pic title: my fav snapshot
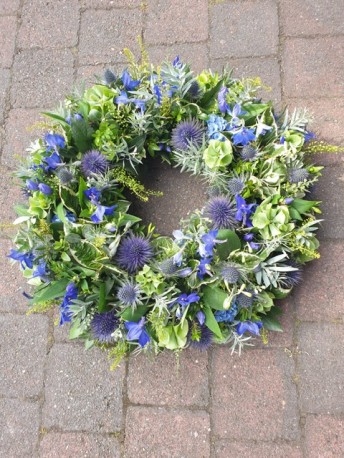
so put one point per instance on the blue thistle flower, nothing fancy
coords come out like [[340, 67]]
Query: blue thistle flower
[[205, 339], [168, 266], [109, 77], [129, 294], [244, 300], [235, 186], [230, 274], [94, 162], [64, 175], [292, 277], [103, 325], [195, 91], [186, 133], [248, 153], [133, 253], [297, 175], [222, 213]]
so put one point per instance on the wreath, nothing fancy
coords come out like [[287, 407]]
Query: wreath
[[122, 286]]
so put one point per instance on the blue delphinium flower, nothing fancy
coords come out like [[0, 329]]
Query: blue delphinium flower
[[122, 98], [65, 313], [243, 136], [94, 162], [41, 271], [128, 82], [249, 238], [184, 300], [98, 215], [73, 117], [129, 294], [93, 194], [208, 242], [103, 325], [32, 185], [45, 189], [222, 212], [309, 136], [133, 253], [53, 161], [203, 268], [221, 98], [216, 125], [249, 326], [244, 211], [54, 141], [69, 215], [226, 316], [25, 259], [157, 92], [235, 112], [200, 317], [186, 133], [177, 63], [205, 340], [137, 331]]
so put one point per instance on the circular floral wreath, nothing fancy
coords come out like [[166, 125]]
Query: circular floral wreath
[[121, 285]]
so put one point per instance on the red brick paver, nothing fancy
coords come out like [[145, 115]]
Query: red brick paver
[[280, 400]]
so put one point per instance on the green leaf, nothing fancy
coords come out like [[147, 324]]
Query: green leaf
[[253, 110], [294, 214], [82, 134], [211, 322], [60, 213], [134, 315], [214, 297], [58, 118], [303, 206], [232, 242], [208, 97], [82, 188], [53, 291], [75, 331], [102, 298], [270, 320]]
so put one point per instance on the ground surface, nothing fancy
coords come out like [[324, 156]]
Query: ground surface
[[282, 400]]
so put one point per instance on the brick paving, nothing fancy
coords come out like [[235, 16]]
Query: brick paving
[[282, 400]]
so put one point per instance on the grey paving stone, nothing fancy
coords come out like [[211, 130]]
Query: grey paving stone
[[267, 68], [22, 354], [9, 6], [166, 433], [254, 397], [12, 283], [91, 74], [11, 194], [324, 436], [53, 77], [225, 449], [243, 29], [320, 296], [19, 428], [183, 193], [176, 21], [161, 382], [4, 83], [49, 24], [321, 368], [300, 58], [105, 33], [108, 4], [71, 445], [8, 29], [81, 394], [20, 130], [330, 190], [194, 54], [309, 17]]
